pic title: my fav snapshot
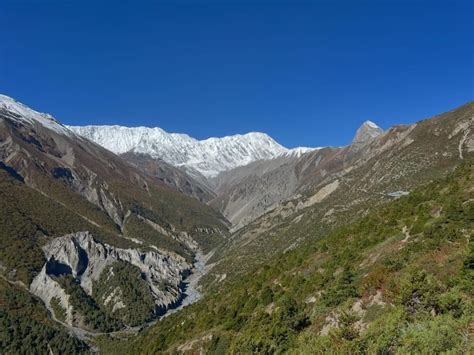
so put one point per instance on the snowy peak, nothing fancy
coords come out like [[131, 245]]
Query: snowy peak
[[209, 157], [29, 116], [121, 140], [370, 124], [299, 151], [366, 132]]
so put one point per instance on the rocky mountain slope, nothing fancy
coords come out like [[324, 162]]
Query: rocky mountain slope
[[245, 193], [332, 186], [195, 185], [72, 212], [89, 262], [256, 179]]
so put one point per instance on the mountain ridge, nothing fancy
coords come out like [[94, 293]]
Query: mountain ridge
[[209, 156]]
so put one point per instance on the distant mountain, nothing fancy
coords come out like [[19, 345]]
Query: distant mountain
[[246, 192], [208, 157], [367, 132]]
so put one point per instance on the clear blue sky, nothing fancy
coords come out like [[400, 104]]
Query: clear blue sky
[[307, 73]]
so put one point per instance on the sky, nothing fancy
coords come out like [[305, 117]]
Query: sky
[[308, 73]]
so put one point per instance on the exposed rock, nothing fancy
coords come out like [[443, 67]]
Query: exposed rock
[[83, 257], [116, 298], [46, 289], [331, 321], [196, 346], [397, 194], [322, 193], [110, 206], [367, 132], [181, 237], [190, 183]]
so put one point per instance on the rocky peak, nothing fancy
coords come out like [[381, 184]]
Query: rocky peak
[[366, 132]]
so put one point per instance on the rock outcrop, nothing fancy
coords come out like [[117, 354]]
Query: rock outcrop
[[85, 258], [366, 133]]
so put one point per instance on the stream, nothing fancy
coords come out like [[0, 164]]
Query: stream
[[191, 292]]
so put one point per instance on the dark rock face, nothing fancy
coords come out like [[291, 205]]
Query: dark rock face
[[62, 173], [56, 268], [12, 172]]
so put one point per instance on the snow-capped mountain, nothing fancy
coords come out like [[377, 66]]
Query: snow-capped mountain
[[23, 113], [208, 157], [299, 151]]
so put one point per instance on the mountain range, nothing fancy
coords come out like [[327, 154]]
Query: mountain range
[[208, 157], [105, 229], [214, 166]]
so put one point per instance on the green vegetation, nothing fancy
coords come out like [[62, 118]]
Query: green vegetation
[[26, 329], [59, 311], [398, 280], [167, 207], [85, 306], [121, 283], [175, 213], [126, 282]]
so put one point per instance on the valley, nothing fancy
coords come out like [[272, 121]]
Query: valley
[[203, 177], [165, 243]]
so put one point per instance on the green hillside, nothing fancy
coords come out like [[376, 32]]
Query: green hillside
[[26, 329], [30, 219], [398, 280]]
